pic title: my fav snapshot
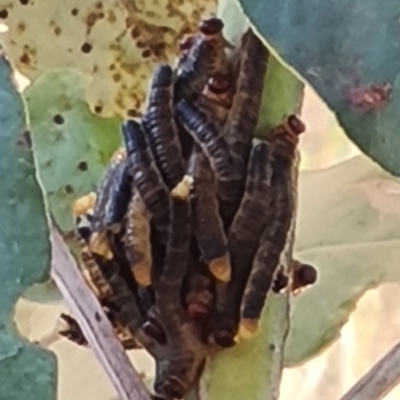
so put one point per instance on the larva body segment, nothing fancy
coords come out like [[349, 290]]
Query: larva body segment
[[204, 55], [146, 177], [208, 226], [208, 137], [136, 240], [168, 284], [284, 140], [161, 130], [243, 238], [266, 261]]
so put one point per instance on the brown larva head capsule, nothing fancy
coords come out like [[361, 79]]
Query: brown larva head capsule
[[219, 89], [154, 330], [294, 125], [211, 26], [225, 338], [303, 275], [219, 83], [306, 275]]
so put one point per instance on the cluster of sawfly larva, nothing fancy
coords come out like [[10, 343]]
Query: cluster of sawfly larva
[[182, 241]]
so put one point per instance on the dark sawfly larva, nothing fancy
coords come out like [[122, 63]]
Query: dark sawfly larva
[[283, 142], [180, 361], [146, 177], [112, 199], [242, 118], [103, 274], [243, 239], [208, 226], [160, 127]]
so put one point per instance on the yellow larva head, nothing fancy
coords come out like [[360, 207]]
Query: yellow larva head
[[82, 211]]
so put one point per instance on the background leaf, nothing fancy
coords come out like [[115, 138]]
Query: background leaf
[[342, 48], [26, 370], [349, 228], [72, 145], [115, 42]]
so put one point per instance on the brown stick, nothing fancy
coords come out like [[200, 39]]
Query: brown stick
[[95, 325], [379, 380]]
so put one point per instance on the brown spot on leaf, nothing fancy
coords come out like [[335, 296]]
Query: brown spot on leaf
[[24, 59], [135, 32], [24, 2], [371, 98], [117, 77], [21, 27], [74, 12], [86, 48], [98, 109], [3, 14], [146, 53], [57, 30], [58, 119]]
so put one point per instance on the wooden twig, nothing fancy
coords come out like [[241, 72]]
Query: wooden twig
[[95, 325], [379, 380]]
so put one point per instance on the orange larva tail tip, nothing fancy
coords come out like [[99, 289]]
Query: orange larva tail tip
[[211, 26], [142, 274], [248, 328], [84, 204], [119, 155], [182, 189], [295, 125], [221, 268]]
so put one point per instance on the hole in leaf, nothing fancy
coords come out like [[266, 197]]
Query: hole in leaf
[[86, 48], [83, 166], [74, 12], [3, 14], [58, 119], [68, 188], [98, 109], [24, 2]]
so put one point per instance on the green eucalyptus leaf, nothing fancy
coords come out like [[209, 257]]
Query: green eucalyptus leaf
[[347, 51], [349, 229], [73, 146], [26, 371]]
